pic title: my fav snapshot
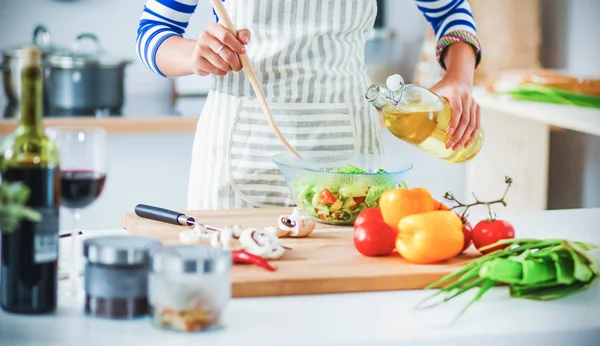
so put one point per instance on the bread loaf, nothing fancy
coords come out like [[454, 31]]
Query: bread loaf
[[511, 79]]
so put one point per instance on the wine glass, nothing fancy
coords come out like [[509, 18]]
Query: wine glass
[[82, 153]]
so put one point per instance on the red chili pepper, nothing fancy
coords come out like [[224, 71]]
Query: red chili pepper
[[240, 256]]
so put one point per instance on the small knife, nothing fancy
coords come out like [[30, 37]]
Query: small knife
[[172, 217], [168, 216]]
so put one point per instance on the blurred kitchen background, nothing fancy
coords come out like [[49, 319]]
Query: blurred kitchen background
[[153, 168]]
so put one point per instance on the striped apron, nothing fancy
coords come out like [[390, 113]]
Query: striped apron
[[309, 58]]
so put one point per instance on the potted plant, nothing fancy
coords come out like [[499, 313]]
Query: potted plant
[[13, 210]]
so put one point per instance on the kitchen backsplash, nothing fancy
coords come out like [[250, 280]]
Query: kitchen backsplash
[[566, 33], [115, 23]]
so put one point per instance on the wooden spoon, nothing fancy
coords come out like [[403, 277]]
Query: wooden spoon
[[249, 70]]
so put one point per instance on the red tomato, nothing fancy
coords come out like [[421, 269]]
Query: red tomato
[[369, 214], [467, 233], [359, 200], [488, 232], [326, 197], [372, 236]]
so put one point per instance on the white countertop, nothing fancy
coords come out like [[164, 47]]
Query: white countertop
[[368, 319], [586, 120]]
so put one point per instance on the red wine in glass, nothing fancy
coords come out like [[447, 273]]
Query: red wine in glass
[[82, 152], [80, 188]]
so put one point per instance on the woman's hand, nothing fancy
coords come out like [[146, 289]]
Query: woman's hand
[[456, 86], [217, 50], [465, 120]]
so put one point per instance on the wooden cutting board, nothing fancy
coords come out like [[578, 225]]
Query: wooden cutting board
[[324, 262]]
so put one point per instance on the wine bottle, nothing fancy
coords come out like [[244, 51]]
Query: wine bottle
[[29, 265]]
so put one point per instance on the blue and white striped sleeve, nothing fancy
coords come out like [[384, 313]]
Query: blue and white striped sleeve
[[160, 20], [452, 22]]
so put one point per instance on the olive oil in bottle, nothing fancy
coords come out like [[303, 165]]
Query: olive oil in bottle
[[419, 117], [29, 264]]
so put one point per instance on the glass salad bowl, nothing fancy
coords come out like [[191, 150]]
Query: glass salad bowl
[[334, 189]]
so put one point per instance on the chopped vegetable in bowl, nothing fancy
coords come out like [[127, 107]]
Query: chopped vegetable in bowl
[[335, 189]]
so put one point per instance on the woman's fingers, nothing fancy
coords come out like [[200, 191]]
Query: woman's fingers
[[455, 120], [208, 51], [217, 51], [226, 37], [464, 120], [456, 112], [475, 116], [244, 36], [228, 54], [199, 65], [467, 123], [231, 59], [205, 67], [462, 125]]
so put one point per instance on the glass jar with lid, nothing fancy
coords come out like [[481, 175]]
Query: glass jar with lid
[[189, 287], [116, 275]]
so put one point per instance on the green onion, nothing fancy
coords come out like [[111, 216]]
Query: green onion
[[533, 269], [540, 93]]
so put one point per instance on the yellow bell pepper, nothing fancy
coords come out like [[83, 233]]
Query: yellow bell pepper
[[430, 237], [396, 204]]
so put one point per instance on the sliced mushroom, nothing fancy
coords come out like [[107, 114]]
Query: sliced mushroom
[[261, 243], [278, 232], [225, 240], [196, 235], [298, 223]]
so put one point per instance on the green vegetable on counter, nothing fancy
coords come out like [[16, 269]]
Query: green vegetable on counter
[[532, 269], [544, 94]]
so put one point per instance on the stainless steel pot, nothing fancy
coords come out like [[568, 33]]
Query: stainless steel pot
[[12, 63], [85, 82]]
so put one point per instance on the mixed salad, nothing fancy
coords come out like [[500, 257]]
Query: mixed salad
[[341, 202]]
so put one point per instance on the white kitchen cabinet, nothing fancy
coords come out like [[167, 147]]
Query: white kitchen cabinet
[[517, 143]]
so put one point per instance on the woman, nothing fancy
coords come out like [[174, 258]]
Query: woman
[[308, 55]]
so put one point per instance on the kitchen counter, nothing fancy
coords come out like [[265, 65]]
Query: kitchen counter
[[384, 318], [581, 119], [140, 114]]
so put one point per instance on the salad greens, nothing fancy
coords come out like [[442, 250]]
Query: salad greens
[[341, 199], [351, 169]]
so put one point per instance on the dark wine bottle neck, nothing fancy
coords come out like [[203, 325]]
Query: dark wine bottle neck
[[31, 99]]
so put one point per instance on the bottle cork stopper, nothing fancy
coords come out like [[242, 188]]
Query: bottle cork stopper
[[395, 82], [31, 56]]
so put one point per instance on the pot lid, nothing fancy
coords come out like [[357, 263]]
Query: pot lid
[[81, 57], [41, 38]]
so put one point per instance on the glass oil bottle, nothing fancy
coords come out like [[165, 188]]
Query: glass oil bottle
[[418, 116]]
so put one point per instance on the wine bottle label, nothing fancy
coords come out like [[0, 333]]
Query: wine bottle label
[[46, 237]]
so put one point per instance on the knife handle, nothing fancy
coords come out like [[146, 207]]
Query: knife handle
[[160, 214]]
